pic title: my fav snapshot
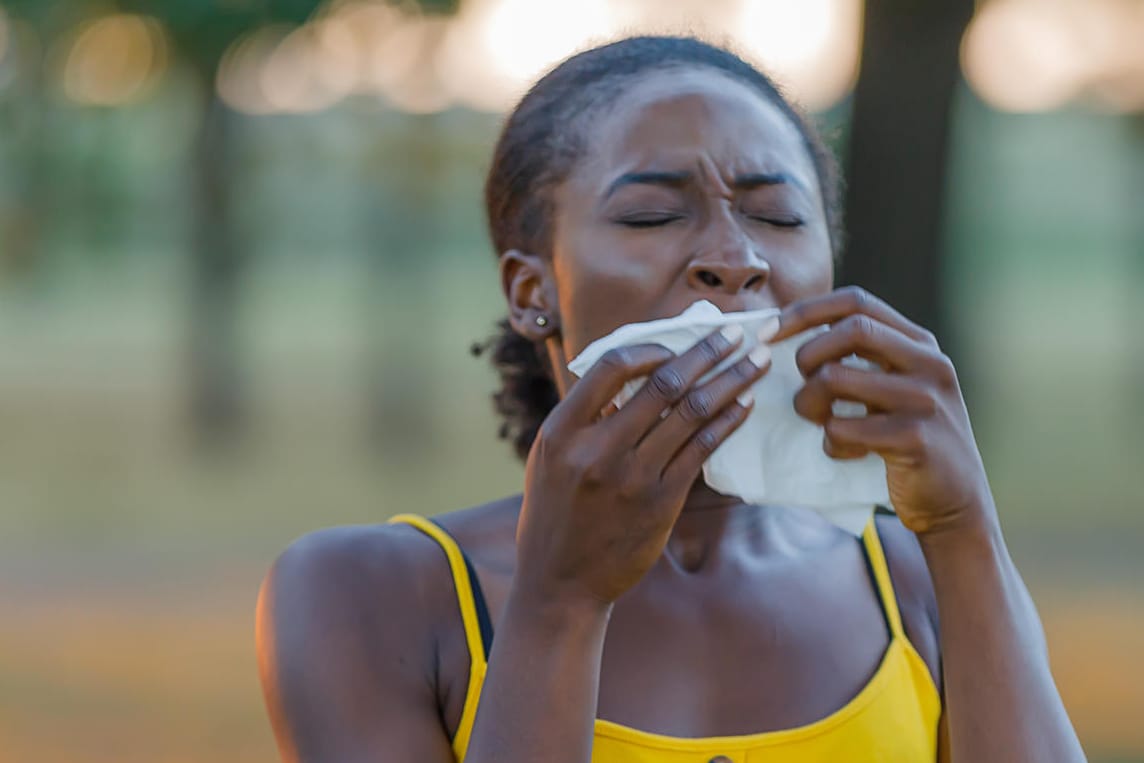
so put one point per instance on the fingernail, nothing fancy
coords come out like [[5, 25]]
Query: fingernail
[[732, 332], [768, 329], [745, 398], [759, 355]]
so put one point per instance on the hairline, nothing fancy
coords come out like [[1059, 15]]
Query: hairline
[[610, 87]]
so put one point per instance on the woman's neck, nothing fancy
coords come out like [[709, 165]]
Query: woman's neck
[[708, 519]]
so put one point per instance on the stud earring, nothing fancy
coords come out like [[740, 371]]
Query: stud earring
[[541, 321]]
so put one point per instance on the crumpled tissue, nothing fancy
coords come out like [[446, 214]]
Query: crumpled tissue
[[775, 456]]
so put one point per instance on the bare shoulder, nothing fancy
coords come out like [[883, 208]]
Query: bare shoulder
[[913, 588], [391, 582], [364, 570], [348, 619]]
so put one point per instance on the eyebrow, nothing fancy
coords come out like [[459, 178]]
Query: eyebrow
[[743, 182], [669, 179], [759, 179]]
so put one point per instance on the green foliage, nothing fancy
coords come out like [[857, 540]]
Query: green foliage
[[204, 29], [439, 6], [201, 29]]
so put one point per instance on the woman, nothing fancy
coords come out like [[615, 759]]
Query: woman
[[630, 182]]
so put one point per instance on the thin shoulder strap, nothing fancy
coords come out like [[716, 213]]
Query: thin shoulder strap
[[877, 559], [470, 599], [474, 617]]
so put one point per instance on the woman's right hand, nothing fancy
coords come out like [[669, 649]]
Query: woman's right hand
[[602, 492]]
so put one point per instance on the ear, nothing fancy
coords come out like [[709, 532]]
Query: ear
[[527, 284]]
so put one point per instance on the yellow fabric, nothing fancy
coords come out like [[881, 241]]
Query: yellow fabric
[[893, 719], [464, 588]]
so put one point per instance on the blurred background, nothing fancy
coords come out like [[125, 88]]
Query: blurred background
[[242, 260]]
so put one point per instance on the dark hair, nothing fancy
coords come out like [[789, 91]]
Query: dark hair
[[538, 146]]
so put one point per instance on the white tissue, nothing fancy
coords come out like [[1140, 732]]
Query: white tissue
[[775, 456]]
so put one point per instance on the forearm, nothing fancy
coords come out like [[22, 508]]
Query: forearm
[[539, 697], [1000, 699]]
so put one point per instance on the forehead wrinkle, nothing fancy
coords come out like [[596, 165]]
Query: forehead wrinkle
[[708, 174]]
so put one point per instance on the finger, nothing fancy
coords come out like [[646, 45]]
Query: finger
[[699, 406], [880, 392], [842, 452], [685, 466], [833, 307], [868, 338], [607, 377], [891, 435], [668, 383]]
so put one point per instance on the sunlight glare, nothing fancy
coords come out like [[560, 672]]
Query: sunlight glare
[[1039, 55], [1022, 55], [812, 47], [525, 38], [114, 60], [403, 66], [303, 74], [239, 81]]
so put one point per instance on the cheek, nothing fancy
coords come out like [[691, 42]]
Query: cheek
[[805, 271], [801, 279], [605, 280]]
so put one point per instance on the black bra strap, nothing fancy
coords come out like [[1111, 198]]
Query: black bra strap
[[484, 622], [877, 588]]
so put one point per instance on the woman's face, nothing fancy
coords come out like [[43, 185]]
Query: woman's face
[[693, 187]]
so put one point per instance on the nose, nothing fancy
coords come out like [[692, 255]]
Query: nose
[[728, 262]]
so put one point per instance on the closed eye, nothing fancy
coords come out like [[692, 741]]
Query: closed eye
[[648, 220], [779, 221]]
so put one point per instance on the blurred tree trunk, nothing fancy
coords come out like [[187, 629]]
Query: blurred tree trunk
[[401, 384], [28, 118], [1134, 285], [898, 154], [217, 260]]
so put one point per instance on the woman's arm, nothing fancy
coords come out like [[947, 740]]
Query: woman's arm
[[539, 698], [1000, 701], [602, 492], [346, 652]]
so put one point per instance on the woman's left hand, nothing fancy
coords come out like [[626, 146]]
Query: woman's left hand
[[916, 418]]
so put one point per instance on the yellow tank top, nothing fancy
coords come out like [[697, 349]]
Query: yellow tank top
[[893, 719]]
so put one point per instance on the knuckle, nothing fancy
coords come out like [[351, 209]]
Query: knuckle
[[914, 435], [697, 406], [706, 442], [829, 446], [668, 383], [745, 370], [944, 370], [831, 375], [929, 338], [804, 402], [802, 357], [862, 326], [635, 486], [584, 466], [711, 348], [857, 297], [591, 472], [616, 359]]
